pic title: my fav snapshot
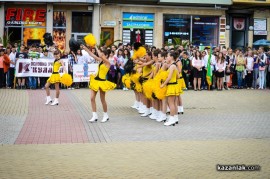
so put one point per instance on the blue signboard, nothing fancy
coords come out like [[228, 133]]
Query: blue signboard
[[138, 17], [138, 25]]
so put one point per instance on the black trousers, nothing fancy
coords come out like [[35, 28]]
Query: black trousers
[[249, 79], [2, 78]]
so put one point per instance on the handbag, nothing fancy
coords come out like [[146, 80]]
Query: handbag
[[261, 68]]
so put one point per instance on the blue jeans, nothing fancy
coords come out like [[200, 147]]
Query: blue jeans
[[239, 78], [32, 82]]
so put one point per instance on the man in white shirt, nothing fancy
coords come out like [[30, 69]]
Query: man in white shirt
[[11, 69]]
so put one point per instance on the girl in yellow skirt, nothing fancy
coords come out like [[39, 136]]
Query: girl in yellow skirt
[[55, 79], [155, 101], [146, 72], [160, 93], [173, 89], [99, 83]]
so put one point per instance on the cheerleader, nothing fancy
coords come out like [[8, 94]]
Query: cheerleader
[[55, 79], [155, 102], [99, 83], [172, 88], [160, 93]]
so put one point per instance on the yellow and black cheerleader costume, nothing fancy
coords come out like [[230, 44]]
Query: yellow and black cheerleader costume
[[147, 83], [55, 77], [161, 76], [173, 87], [99, 81]]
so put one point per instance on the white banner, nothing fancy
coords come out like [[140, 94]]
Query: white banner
[[37, 67], [81, 73]]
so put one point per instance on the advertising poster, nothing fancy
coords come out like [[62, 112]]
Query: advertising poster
[[59, 37], [81, 73], [33, 36]]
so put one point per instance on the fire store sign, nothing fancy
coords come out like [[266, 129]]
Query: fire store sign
[[25, 16]]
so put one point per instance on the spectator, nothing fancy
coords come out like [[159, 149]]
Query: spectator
[[262, 67], [240, 67], [220, 68], [33, 54], [11, 71], [263, 58], [113, 70], [249, 69], [21, 55], [120, 68], [186, 68], [4, 66], [197, 63]]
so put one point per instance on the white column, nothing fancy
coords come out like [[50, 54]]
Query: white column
[[2, 19], [49, 19], [96, 22]]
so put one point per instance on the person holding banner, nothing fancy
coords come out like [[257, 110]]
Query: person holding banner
[[99, 83], [55, 79]]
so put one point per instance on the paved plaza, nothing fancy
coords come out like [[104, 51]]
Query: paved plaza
[[218, 127]]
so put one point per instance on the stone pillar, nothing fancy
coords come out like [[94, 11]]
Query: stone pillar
[[227, 38], [49, 19], [250, 38], [68, 28], [268, 28], [96, 22], [2, 19]]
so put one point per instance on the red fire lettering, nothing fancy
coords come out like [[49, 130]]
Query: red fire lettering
[[10, 13], [40, 15], [28, 13], [19, 13]]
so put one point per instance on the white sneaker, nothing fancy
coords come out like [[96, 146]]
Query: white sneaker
[[105, 118], [94, 118], [48, 100], [162, 117], [171, 121], [142, 109], [153, 116], [146, 113], [135, 105], [55, 102]]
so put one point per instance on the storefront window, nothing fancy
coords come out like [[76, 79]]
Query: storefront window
[[176, 26], [205, 30], [138, 27], [81, 22], [59, 29], [26, 25]]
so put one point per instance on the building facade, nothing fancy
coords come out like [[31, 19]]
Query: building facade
[[26, 22]]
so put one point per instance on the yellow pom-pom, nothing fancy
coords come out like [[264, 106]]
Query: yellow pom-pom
[[148, 88], [141, 52], [90, 40], [66, 79], [126, 80]]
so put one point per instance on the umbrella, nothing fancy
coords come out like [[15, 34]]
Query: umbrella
[[262, 42]]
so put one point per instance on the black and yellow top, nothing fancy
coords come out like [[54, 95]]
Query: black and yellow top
[[55, 76], [99, 81]]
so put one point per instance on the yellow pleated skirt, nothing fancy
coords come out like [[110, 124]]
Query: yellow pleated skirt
[[100, 85]]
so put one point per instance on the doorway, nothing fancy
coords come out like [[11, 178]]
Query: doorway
[[107, 36], [239, 32]]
